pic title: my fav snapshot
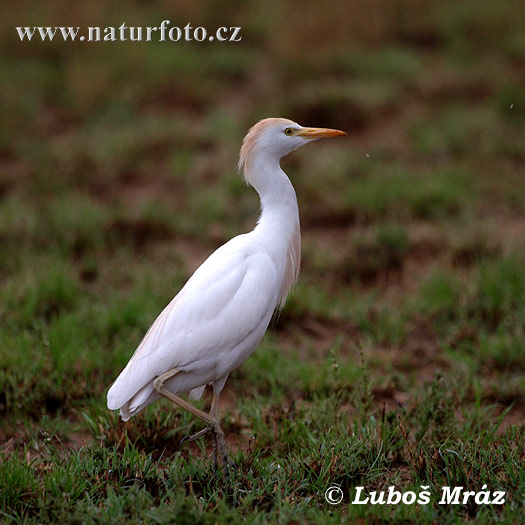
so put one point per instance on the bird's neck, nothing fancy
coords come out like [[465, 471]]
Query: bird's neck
[[278, 226], [278, 199]]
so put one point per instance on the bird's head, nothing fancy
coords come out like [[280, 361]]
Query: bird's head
[[276, 137]]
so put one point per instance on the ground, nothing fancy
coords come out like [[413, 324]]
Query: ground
[[399, 357]]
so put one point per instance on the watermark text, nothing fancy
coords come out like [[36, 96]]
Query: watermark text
[[165, 32], [392, 496]]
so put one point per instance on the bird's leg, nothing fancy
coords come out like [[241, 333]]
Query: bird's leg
[[219, 444], [210, 419], [221, 449], [214, 409], [214, 414], [158, 384]]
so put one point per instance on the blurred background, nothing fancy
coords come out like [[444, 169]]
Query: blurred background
[[117, 179]]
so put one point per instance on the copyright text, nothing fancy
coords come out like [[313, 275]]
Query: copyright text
[[447, 496]]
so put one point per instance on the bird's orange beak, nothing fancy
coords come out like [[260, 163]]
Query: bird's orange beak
[[319, 133]]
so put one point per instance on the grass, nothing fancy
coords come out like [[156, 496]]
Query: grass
[[398, 360]]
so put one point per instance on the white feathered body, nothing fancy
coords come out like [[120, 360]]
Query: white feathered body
[[220, 315]]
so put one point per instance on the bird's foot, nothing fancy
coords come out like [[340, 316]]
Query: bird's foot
[[197, 435], [220, 452]]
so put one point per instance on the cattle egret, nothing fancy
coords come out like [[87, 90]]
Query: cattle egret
[[222, 312]]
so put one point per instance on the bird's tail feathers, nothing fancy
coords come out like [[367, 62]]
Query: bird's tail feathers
[[144, 397]]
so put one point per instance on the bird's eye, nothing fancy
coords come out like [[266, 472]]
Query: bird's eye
[[288, 131]]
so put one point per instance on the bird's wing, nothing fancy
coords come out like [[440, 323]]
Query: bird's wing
[[221, 304]]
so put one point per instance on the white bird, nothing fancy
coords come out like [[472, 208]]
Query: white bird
[[222, 312]]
